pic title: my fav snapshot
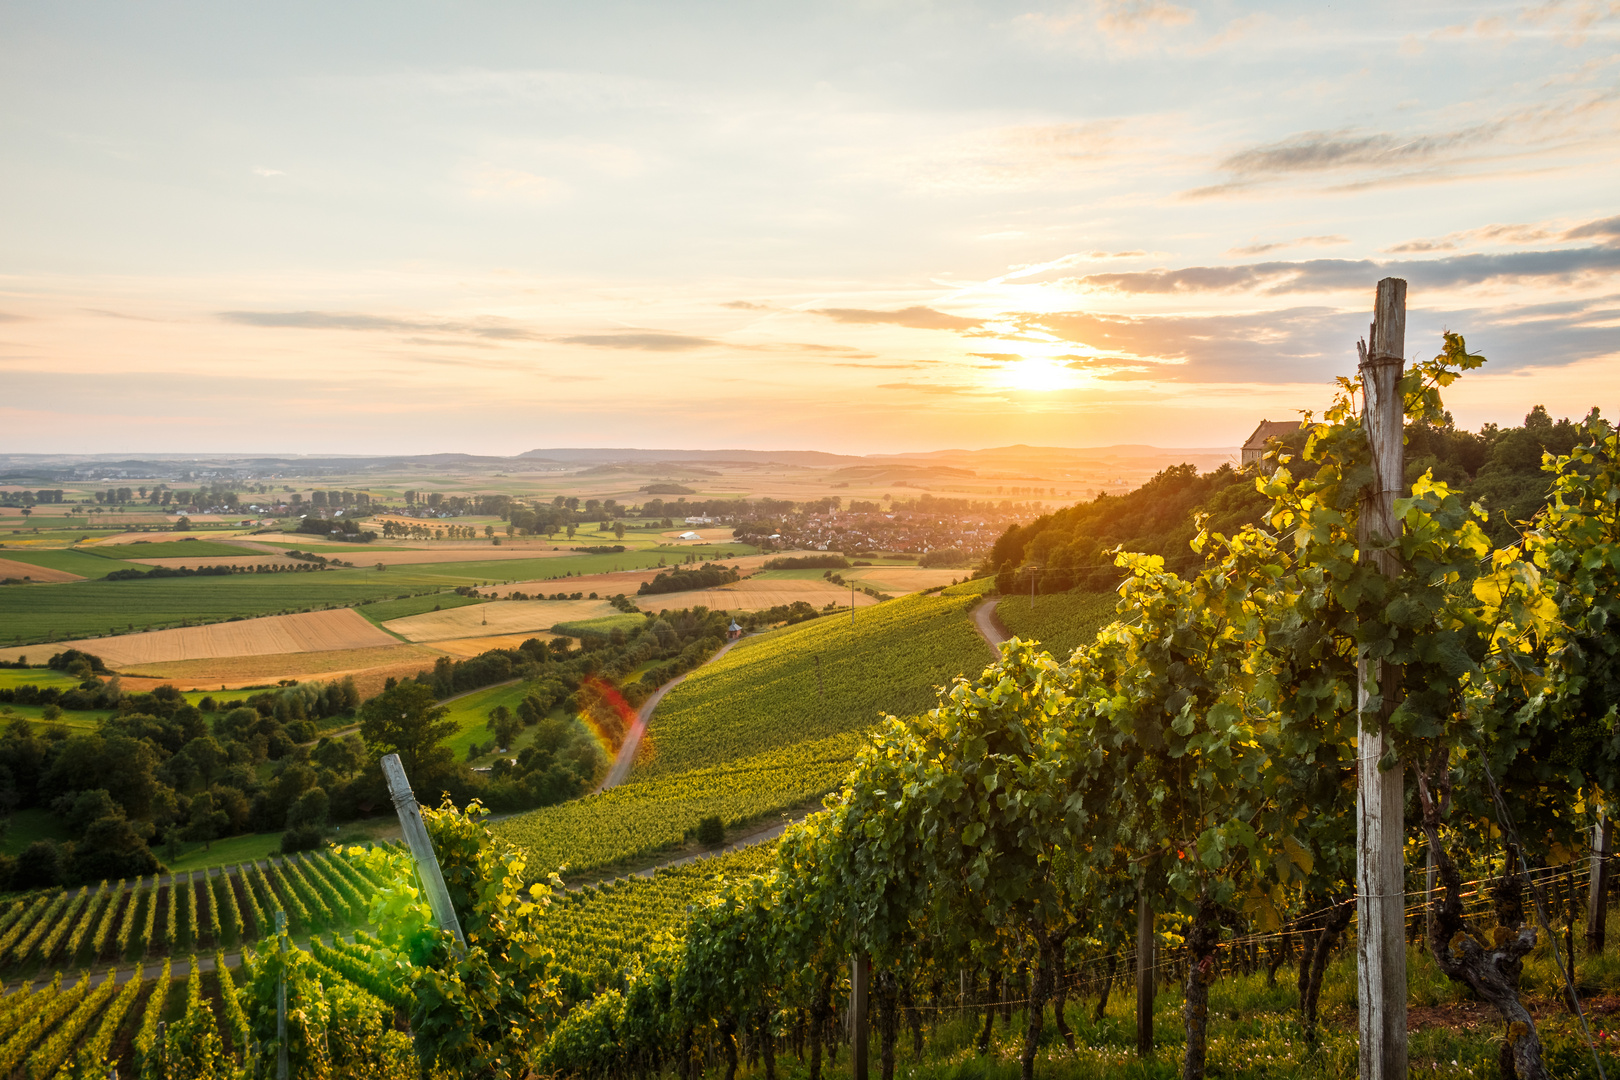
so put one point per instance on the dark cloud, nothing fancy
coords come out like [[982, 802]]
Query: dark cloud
[[918, 318], [647, 340], [1315, 274], [1608, 227]]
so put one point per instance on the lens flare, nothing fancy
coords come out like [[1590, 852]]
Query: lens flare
[[609, 718]]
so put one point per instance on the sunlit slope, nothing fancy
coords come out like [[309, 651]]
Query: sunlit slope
[[813, 681], [1059, 621]]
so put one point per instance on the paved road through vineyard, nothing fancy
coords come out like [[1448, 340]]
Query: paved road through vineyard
[[632, 738]]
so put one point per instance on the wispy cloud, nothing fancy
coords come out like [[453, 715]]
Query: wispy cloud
[[917, 317], [646, 340], [1278, 245], [260, 170]]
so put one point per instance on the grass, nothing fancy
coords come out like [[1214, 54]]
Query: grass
[[76, 721], [226, 852], [27, 826], [471, 715], [11, 678]]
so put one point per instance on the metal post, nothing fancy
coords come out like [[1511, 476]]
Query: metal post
[[1380, 824], [281, 998], [860, 973], [427, 864], [1144, 974], [1597, 897]]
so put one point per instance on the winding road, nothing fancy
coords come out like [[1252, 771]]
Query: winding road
[[632, 738], [988, 626]]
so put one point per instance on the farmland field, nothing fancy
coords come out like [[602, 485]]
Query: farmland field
[[10, 568], [370, 668], [315, 631], [496, 617], [757, 594], [469, 647], [813, 681], [172, 549], [383, 610], [80, 561]]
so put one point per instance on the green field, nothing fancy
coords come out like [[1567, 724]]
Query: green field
[[74, 720], [815, 680], [13, 677], [604, 625], [172, 549], [85, 563], [1059, 621], [383, 610], [471, 714], [226, 852]]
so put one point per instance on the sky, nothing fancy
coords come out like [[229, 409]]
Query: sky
[[411, 227]]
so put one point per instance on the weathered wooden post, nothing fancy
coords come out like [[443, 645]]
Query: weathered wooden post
[[1597, 897], [1380, 824], [281, 997], [860, 974], [1144, 974], [427, 863]]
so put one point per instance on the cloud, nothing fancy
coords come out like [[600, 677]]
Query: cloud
[[648, 340], [933, 388], [339, 320], [1128, 18], [1303, 241], [1327, 274], [916, 317], [260, 170], [490, 181], [747, 305], [118, 315], [1485, 234], [4, 317], [1608, 228]]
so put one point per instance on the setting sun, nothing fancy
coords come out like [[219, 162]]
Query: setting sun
[[1039, 373]]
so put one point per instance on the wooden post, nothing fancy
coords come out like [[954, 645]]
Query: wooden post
[[1597, 897], [281, 998], [1144, 974], [427, 864], [860, 974], [1380, 825]]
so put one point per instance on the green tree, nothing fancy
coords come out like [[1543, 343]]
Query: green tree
[[408, 720]]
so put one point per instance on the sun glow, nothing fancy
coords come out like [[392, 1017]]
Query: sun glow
[[1039, 373]]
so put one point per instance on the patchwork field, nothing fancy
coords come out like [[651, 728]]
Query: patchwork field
[[757, 594], [228, 560], [12, 568], [496, 618], [314, 631], [370, 668], [903, 579]]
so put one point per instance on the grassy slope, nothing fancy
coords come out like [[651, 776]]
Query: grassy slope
[[1059, 621], [769, 694]]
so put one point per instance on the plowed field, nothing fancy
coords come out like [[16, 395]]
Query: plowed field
[[11, 568], [497, 618], [756, 594], [313, 631], [904, 579]]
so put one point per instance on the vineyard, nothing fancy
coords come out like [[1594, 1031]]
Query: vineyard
[[821, 679], [1061, 622]]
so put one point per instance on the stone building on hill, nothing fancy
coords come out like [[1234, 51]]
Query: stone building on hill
[[1254, 451]]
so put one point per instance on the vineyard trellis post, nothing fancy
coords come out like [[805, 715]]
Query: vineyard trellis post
[[1380, 823], [860, 974], [1597, 897], [281, 997], [427, 863], [1144, 974]]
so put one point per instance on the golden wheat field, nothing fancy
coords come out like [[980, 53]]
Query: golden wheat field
[[465, 647], [904, 579], [307, 632], [12, 568], [496, 618], [756, 594], [369, 667]]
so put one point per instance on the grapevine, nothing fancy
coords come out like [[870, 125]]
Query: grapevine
[[56, 1046], [109, 914], [91, 1057]]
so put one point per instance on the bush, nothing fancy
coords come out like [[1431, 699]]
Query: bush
[[711, 832], [302, 838]]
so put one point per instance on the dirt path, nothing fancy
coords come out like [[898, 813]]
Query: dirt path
[[989, 627], [632, 738]]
